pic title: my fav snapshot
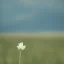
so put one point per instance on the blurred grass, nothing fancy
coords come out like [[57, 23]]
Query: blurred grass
[[38, 50]]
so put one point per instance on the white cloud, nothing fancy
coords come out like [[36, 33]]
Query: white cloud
[[40, 3], [36, 2], [24, 16]]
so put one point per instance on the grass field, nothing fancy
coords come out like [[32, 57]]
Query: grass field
[[39, 50]]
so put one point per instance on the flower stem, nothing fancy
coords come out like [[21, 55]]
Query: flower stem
[[19, 56]]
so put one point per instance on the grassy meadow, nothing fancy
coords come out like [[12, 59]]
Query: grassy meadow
[[39, 50]]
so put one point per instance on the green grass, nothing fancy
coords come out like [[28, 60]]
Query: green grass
[[38, 50]]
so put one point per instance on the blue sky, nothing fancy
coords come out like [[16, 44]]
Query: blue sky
[[31, 15]]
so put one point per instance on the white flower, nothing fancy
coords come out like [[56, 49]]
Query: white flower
[[21, 46]]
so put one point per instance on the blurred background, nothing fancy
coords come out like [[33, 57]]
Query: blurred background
[[31, 15], [39, 24]]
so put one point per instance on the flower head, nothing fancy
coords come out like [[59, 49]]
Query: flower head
[[21, 46]]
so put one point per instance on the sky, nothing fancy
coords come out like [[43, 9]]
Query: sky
[[31, 15]]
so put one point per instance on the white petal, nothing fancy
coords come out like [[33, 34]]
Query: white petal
[[21, 44], [18, 47], [23, 47]]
